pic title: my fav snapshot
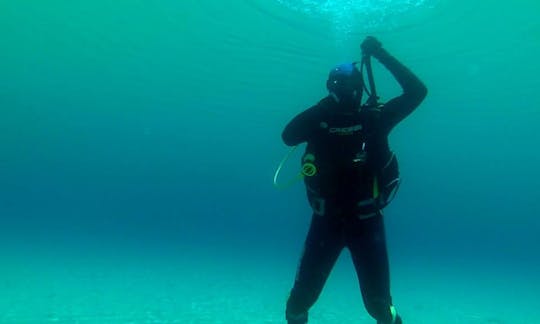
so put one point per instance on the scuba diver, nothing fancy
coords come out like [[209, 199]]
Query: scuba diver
[[353, 175]]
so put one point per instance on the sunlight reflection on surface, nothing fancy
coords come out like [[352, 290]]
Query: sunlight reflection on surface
[[345, 14]]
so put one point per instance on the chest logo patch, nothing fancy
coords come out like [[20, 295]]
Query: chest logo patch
[[345, 130]]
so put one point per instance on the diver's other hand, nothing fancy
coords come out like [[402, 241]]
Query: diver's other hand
[[371, 46]]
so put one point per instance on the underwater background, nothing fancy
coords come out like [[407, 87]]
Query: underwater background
[[139, 139]]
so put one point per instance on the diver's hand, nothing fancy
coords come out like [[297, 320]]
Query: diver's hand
[[371, 46]]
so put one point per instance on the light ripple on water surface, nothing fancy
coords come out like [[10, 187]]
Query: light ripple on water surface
[[351, 17]]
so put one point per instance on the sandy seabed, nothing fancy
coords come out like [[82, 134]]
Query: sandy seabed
[[225, 289]]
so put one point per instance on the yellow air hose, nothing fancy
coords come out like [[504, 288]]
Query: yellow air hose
[[308, 170]]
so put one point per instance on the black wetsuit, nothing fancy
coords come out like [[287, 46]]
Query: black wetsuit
[[356, 172]]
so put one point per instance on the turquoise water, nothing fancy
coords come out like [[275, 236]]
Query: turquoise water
[[139, 140]]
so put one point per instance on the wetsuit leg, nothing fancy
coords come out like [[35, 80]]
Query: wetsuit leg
[[367, 243], [322, 247]]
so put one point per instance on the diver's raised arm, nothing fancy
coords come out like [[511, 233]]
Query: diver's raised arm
[[414, 90]]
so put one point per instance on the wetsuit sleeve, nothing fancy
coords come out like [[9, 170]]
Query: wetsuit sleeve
[[300, 128], [414, 91]]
